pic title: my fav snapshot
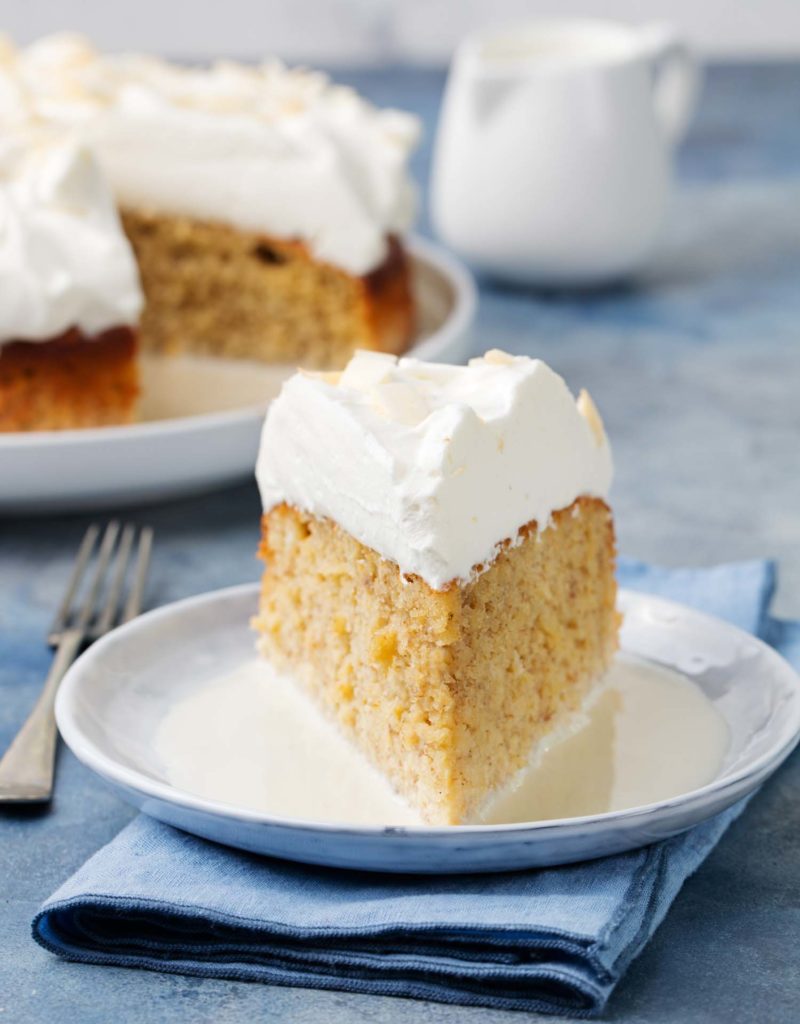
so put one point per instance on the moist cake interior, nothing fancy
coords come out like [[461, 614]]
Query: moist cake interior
[[216, 290], [446, 691]]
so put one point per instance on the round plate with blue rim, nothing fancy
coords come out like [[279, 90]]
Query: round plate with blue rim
[[114, 698]]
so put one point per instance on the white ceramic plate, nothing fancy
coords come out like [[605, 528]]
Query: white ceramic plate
[[202, 417], [115, 696]]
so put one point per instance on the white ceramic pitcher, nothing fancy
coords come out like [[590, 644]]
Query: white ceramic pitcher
[[553, 159]]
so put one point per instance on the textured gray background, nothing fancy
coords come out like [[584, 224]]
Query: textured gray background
[[697, 373]]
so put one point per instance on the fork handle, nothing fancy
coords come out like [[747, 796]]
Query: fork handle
[[26, 769]]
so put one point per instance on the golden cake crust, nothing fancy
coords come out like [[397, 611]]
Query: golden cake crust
[[213, 289], [446, 691], [69, 381]]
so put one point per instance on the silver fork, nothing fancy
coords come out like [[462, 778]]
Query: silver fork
[[26, 769]]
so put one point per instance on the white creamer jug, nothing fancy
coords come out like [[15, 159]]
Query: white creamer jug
[[553, 159]]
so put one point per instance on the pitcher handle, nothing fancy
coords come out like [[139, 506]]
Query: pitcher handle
[[676, 79]]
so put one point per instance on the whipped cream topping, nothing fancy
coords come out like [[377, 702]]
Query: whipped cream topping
[[433, 466], [64, 260], [265, 149]]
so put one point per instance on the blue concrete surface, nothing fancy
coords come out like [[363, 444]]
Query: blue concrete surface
[[697, 372]]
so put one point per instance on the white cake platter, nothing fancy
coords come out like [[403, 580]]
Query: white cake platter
[[201, 417], [115, 699]]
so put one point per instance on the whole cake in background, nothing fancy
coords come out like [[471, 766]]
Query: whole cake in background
[[69, 291], [265, 206], [439, 564]]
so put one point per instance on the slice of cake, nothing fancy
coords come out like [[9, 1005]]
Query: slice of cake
[[439, 563], [69, 292], [265, 206]]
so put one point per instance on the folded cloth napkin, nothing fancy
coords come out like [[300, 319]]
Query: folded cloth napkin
[[555, 940]]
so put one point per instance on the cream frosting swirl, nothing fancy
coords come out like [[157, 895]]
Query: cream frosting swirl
[[265, 149], [64, 260], [433, 466]]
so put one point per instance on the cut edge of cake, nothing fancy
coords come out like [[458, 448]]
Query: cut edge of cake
[[448, 692], [214, 289]]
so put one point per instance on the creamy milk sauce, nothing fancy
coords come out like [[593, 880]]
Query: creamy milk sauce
[[253, 739], [187, 385]]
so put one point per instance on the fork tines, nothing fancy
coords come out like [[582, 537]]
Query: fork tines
[[96, 611]]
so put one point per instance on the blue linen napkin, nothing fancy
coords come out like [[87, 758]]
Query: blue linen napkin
[[555, 940]]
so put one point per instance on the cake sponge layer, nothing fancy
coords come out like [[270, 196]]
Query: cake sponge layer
[[445, 691], [213, 289]]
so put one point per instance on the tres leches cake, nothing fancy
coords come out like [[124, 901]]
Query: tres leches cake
[[439, 564], [265, 206], [69, 292]]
